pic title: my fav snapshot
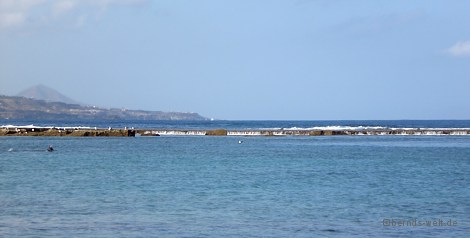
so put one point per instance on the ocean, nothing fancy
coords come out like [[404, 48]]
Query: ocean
[[201, 186]]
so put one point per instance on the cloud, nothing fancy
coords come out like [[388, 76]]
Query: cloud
[[120, 2], [62, 7], [8, 5], [14, 13], [460, 49], [11, 19], [17, 13]]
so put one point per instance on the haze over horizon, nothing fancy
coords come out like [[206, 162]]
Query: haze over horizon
[[262, 59]]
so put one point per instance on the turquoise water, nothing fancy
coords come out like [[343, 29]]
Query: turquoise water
[[341, 186]]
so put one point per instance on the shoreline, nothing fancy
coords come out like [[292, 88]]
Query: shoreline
[[125, 132]]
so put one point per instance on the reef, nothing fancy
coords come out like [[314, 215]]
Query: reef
[[57, 131], [64, 132]]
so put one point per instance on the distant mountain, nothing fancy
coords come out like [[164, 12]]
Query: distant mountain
[[27, 108], [41, 92]]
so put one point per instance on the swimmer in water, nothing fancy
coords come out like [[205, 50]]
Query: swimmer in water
[[50, 149]]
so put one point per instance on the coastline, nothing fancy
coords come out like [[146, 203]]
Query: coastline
[[125, 132]]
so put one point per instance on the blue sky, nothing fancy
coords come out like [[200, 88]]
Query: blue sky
[[245, 59]]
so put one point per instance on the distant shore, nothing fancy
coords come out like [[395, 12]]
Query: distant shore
[[126, 132]]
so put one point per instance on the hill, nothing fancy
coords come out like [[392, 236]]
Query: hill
[[41, 92], [14, 107]]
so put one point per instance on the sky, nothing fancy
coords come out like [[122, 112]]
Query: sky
[[245, 59]]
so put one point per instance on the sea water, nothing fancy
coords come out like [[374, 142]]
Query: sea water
[[200, 186]]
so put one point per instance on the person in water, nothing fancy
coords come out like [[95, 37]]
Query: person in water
[[50, 149]]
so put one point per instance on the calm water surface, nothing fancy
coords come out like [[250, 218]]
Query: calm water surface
[[214, 186]]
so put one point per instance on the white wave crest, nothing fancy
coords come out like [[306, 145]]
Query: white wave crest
[[328, 128]]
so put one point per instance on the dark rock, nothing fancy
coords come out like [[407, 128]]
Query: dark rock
[[217, 132]]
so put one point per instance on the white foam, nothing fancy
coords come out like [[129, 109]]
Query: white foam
[[44, 127], [178, 132], [328, 128], [430, 129]]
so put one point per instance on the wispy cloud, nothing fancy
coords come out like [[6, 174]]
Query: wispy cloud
[[13, 13], [460, 49], [62, 7], [11, 19], [17, 13]]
